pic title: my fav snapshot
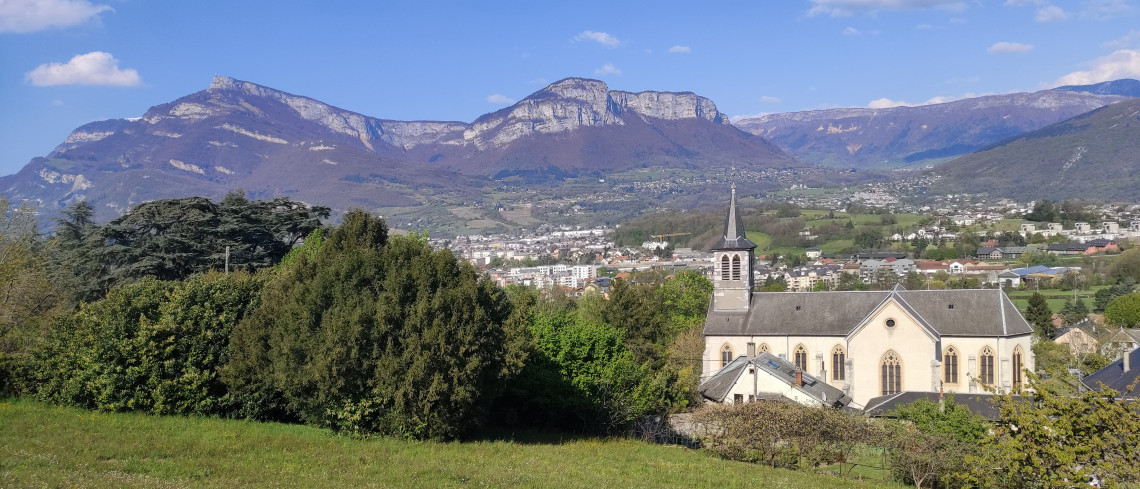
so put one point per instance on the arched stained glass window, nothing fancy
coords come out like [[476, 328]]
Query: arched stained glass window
[[800, 356], [950, 365], [838, 363], [891, 373], [986, 366], [1018, 364], [725, 355]]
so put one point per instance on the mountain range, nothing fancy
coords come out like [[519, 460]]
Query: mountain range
[[238, 134], [572, 143], [906, 136], [1094, 156], [1125, 86]]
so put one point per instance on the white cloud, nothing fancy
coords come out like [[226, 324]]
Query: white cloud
[[850, 31], [1105, 9], [886, 103], [680, 49], [598, 37], [499, 99], [1051, 13], [1022, 3], [924, 27], [843, 8], [769, 100], [94, 68], [1127, 41], [607, 69], [20, 16], [1009, 47], [1124, 63], [57, 102]]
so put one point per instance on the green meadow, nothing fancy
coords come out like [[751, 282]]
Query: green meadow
[[45, 446]]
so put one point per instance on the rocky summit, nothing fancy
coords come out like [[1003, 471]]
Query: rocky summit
[[241, 135]]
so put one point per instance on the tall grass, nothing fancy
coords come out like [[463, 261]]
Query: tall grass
[[44, 446]]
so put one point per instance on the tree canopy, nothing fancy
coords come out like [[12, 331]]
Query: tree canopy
[[171, 239], [375, 334], [1040, 316], [1124, 311]]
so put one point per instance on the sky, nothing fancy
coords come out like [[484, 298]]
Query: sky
[[64, 63]]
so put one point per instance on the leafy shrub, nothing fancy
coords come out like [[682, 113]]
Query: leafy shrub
[[783, 434], [582, 376], [151, 346], [932, 442], [371, 334]]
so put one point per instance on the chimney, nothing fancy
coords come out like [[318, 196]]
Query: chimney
[[800, 377], [751, 349], [1127, 359]]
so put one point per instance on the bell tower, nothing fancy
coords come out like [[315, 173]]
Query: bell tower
[[734, 257]]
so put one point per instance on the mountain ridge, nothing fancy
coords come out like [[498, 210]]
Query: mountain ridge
[[1125, 86], [1090, 156], [239, 134], [898, 136]]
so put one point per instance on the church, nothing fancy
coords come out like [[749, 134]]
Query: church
[[857, 345]]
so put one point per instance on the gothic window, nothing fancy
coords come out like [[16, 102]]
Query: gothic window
[[1018, 364], [725, 355], [891, 373], [736, 267], [724, 267], [986, 366], [950, 365], [763, 348], [800, 356], [838, 361]]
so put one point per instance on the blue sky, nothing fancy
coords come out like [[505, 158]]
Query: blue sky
[[64, 63]]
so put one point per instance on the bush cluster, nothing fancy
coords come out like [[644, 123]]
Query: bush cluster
[[367, 333], [151, 346]]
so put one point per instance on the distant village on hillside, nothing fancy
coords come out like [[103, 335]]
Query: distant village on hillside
[[571, 258]]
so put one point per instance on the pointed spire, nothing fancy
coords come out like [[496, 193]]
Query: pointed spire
[[733, 236]]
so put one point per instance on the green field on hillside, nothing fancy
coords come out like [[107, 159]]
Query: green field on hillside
[[44, 446], [818, 217], [762, 240], [1055, 298]]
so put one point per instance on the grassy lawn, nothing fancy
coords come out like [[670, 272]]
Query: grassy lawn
[[1000, 226], [836, 245], [1055, 298], [44, 446], [762, 240]]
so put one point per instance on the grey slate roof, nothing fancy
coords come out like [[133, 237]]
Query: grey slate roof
[[980, 404], [733, 237], [1114, 377], [717, 387], [976, 312], [1126, 335]]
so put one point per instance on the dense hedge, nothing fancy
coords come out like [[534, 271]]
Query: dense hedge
[[367, 333], [151, 346], [375, 334]]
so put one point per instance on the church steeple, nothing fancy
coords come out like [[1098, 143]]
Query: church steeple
[[733, 237], [734, 257]]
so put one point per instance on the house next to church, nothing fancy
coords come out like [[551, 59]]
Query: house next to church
[[864, 344]]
